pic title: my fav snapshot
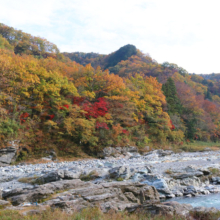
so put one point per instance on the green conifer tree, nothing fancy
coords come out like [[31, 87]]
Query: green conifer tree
[[173, 102]]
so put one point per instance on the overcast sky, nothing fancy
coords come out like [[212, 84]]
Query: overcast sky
[[185, 32]]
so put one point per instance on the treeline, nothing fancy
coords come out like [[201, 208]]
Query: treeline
[[58, 103], [45, 102], [23, 43], [192, 100]]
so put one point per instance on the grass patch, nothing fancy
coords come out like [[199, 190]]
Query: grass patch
[[199, 146], [85, 214], [91, 176], [214, 171], [30, 180], [188, 146], [96, 214], [168, 171], [205, 216], [119, 179]]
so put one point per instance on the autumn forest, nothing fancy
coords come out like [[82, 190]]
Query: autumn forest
[[88, 101]]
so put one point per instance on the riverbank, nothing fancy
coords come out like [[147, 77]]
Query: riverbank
[[123, 183]]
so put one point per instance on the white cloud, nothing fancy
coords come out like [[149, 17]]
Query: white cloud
[[184, 32]]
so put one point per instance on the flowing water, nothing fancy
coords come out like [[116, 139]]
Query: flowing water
[[211, 200]]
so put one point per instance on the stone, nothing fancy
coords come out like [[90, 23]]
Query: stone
[[158, 208], [130, 149], [71, 175], [116, 172], [195, 181], [163, 153], [167, 208], [117, 151], [134, 155], [191, 168], [8, 154], [107, 152], [178, 194], [179, 209], [36, 194], [205, 171], [149, 194], [130, 196], [101, 197], [123, 172], [75, 205], [156, 181], [4, 203], [187, 175], [50, 177], [190, 190], [205, 209]]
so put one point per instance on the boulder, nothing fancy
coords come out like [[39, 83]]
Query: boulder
[[108, 151], [68, 175], [179, 209], [123, 172], [39, 193], [187, 175], [4, 203], [158, 182], [149, 194], [117, 151], [167, 208], [50, 177], [190, 190], [163, 153], [202, 209], [130, 196], [8, 154], [76, 194], [57, 175], [158, 209]]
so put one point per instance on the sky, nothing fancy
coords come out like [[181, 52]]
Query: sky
[[184, 32]]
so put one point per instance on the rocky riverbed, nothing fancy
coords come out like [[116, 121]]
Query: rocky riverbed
[[123, 180]]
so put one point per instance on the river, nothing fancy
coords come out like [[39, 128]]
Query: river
[[211, 200]]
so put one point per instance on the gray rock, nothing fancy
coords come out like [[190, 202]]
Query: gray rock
[[116, 152], [101, 197], [205, 209], [8, 154], [187, 175], [179, 209], [36, 194], [50, 177], [158, 208], [75, 205], [85, 194], [167, 208], [190, 190], [71, 175], [163, 153], [205, 171], [156, 181], [123, 172], [149, 194], [130, 196], [4, 203]]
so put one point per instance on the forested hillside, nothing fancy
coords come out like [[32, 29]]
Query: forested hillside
[[124, 98]]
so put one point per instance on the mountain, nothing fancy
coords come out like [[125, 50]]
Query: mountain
[[87, 101]]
